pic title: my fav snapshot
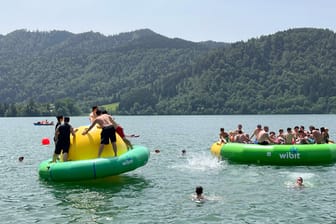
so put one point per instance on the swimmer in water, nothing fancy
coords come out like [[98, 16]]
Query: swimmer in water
[[299, 182], [199, 194], [183, 152]]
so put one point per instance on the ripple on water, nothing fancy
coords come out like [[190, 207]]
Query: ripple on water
[[160, 192]]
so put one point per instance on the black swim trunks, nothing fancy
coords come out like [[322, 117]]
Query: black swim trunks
[[107, 134], [62, 146], [63, 142]]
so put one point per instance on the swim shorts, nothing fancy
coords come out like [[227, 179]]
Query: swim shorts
[[62, 146], [107, 134], [120, 132]]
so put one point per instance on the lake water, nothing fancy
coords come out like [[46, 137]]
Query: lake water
[[161, 191]]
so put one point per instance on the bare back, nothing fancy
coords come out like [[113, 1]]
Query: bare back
[[104, 120]]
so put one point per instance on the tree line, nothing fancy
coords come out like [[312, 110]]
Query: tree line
[[45, 73]]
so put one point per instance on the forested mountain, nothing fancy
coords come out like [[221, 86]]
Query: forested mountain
[[53, 72], [287, 72]]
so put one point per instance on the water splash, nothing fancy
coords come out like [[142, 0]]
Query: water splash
[[200, 162]]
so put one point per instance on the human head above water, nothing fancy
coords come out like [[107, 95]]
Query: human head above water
[[199, 190], [299, 181]]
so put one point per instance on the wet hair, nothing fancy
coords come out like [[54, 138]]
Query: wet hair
[[222, 129], [98, 112], [259, 126], [199, 190], [104, 112], [94, 107], [66, 119], [59, 117]]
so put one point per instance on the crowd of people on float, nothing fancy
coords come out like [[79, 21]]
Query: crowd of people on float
[[263, 135]]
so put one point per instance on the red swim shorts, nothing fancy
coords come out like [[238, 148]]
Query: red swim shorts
[[120, 131]]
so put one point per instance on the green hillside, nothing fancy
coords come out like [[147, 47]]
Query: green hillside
[[45, 73]]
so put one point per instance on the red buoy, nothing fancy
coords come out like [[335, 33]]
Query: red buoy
[[45, 141]]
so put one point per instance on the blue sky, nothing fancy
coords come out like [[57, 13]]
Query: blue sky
[[195, 20]]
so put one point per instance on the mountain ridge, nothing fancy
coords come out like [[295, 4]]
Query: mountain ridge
[[148, 73]]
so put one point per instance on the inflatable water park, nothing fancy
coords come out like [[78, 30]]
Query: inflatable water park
[[83, 163], [276, 154]]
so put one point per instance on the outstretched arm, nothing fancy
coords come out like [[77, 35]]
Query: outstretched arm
[[73, 131], [88, 129]]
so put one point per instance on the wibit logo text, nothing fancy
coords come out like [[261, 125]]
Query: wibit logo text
[[289, 155]]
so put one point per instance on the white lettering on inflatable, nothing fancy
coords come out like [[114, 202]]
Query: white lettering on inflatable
[[127, 162], [269, 154], [289, 155]]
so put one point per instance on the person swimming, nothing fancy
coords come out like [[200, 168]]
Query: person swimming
[[299, 182], [199, 194]]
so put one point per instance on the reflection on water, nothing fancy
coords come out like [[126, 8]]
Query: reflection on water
[[112, 184], [90, 201]]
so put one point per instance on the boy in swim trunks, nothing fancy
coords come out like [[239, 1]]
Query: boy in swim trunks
[[62, 139], [121, 133], [107, 124]]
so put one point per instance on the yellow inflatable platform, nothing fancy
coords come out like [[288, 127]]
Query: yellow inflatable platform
[[84, 147], [216, 148]]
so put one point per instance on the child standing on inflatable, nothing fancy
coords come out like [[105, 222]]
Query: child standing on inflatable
[[62, 138], [120, 132], [105, 121]]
